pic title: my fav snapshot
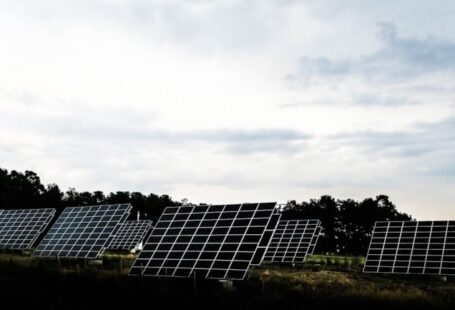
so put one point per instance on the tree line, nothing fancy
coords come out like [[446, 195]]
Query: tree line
[[347, 224], [25, 190]]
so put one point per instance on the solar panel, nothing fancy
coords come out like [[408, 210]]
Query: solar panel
[[130, 235], [291, 241], [20, 228], [408, 247], [83, 232], [315, 239], [216, 242], [266, 239]]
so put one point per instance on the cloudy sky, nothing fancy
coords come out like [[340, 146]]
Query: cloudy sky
[[231, 101]]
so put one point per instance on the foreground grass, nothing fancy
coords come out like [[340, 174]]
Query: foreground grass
[[66, 284], [330, 286]]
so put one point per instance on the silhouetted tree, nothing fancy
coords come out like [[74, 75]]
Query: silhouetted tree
[[347, 223], [24, 190], [52, 197]]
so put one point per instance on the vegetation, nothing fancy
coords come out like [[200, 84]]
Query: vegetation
[[347, 223], [25, 190], [329, 287], [337, 282]]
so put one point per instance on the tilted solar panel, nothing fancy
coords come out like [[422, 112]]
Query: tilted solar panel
[[83, 232], [291, 241], [130, 235], [218, 241], [266, 239], [20, 228], [408, 247], [315, 239]]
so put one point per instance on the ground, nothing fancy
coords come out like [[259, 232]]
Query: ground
[[324, 282]]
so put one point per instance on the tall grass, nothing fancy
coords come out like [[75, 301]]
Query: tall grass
[[336, 282], [336, 262]]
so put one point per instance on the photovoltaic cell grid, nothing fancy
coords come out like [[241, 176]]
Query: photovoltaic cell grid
[[266, 239], [412, 248], [291, 241], [20, 228], [217, 242], [315, 239], [130, 235], [83, 232]]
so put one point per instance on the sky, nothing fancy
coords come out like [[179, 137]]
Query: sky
[[234, 101]]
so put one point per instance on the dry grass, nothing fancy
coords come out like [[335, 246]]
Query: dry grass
[[358, 286], [323, 281]]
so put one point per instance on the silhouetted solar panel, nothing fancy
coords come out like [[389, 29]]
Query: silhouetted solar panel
[[266, 239], [315, 239], [20, 228], [218, 241], [83, 232], [291, 241], [408, 247], [130, 235]]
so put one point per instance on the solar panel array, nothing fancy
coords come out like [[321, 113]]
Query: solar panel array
[[217, 242], [408, 247], [20, 228], [291, 241], [130, 235], [83, 232]]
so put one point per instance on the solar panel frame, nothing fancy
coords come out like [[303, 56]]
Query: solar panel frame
[[291, 241], [315, 239], [412, 247], [266, 239], [204, 240], [130, 235], [20, 228], [83, 232]]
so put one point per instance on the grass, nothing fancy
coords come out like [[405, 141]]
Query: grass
[[324, 282], [361, 288], [336, 262]]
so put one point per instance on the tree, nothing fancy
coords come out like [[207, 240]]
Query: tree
[[347, 224], [52, 197]]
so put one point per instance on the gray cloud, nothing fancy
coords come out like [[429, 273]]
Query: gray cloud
[[323, 65], [398, 143], [254, 141], [131, 127], [399, 57], [429, 146], [424, 138], [391, 76], [410, 56], [377, 99]]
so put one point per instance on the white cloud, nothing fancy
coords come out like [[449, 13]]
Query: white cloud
[[232, 100]]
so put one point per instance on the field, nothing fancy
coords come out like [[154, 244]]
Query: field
[[324, 282]]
